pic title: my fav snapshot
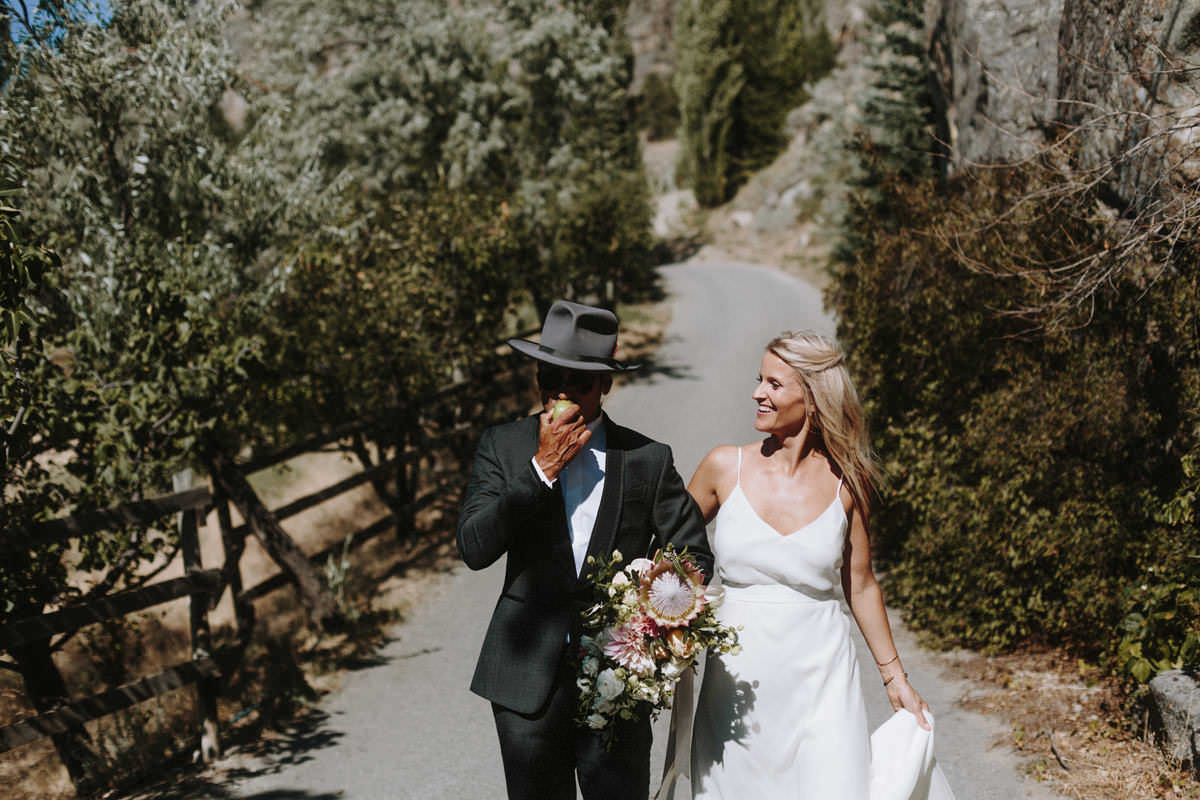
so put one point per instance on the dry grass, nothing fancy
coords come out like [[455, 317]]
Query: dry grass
[[1074, 728]]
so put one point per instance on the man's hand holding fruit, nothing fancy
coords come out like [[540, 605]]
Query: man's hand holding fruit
[[562, 434]]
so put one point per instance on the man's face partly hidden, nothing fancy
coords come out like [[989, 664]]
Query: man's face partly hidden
[[585, 389]]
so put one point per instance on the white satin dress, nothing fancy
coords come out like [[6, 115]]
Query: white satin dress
[[785, 718]]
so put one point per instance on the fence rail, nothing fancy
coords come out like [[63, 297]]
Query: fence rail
[[144, 512], [403, 471], [71, 619], [72, 716]]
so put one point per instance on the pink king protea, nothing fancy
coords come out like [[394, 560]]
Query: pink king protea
[[672, 599]]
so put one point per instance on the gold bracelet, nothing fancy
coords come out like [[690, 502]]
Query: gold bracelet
[[885, 663], [889, 680]]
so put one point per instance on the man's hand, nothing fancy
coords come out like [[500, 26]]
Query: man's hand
[[561, 435]]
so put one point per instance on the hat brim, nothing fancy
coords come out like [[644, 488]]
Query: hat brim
[[567, 360]]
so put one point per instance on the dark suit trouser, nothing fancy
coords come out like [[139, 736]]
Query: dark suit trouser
[[542, 752]]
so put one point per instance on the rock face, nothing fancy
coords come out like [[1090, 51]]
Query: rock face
[[996, 63], [1176, 703], [1132, 59], [649, 24], [1013, 73]]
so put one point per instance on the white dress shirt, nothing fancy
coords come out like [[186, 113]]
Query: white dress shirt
[[582, 487]]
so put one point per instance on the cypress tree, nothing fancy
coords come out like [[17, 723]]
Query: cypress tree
[[896, 141], [741, 65]]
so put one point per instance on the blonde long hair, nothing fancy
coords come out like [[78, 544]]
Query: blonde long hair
[[837, 415]]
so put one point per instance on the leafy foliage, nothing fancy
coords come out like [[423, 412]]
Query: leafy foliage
[[237, 226], [1029, 466], [1042, 455], [741, 65], [151, 313], [322, 218]]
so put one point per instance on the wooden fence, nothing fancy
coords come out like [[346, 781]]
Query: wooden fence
[[410, 459]]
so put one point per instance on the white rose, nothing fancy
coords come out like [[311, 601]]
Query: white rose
[[591, 666], [596, 721], [620, 579], [609, 685], [640, 565]]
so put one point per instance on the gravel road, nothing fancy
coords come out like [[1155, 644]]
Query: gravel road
[[407, 727]]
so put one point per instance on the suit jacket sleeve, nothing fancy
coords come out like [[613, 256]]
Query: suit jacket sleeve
[[677, 518], [503, 492]]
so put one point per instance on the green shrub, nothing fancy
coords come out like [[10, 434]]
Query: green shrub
[[1042, 468]]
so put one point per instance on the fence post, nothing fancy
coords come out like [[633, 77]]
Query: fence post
[[314, 590], [408, 477], [379, 482], [234, 545], [206, 688]]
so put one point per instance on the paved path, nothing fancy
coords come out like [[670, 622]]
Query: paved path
[[407, 727]]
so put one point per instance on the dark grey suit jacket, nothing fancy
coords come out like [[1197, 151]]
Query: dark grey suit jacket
[[509, 510]]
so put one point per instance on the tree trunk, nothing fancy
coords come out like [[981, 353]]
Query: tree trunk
[[45, 687]]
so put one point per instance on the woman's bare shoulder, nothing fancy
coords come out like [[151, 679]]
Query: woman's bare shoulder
[[721, 459], [714, 466]]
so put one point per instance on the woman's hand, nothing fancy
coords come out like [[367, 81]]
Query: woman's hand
[[902, 695]]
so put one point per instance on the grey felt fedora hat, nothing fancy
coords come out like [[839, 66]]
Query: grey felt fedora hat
[[576, 336]]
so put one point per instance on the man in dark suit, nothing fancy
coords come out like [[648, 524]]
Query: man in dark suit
[[548, 491]]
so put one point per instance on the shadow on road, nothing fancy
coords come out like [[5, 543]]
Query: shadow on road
[[291, 745], [355, 663], [652, 369], [293, 794], [270, 754]]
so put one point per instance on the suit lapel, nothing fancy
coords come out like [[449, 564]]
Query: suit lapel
[[604, 532]]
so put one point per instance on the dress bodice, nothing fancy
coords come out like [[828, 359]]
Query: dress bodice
[[750, 553]]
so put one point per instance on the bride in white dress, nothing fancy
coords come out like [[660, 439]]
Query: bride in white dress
[[785, 718]]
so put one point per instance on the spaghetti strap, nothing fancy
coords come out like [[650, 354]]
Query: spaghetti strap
[[739, 472], [838, 494]]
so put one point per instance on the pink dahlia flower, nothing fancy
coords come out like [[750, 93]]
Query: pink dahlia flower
[[626, 644]]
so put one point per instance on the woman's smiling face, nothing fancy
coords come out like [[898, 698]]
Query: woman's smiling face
[[780, 396]]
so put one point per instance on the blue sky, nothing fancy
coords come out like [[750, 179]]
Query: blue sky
[[95, 10]]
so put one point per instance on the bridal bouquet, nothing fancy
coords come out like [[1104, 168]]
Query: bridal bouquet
[[649, 624]]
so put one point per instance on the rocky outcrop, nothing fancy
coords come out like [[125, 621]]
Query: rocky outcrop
[[1133, 62], [649, 25], [1175, 700], [996, 64], [1015, 74]]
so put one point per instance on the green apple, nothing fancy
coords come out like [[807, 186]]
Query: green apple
[[559, 407]]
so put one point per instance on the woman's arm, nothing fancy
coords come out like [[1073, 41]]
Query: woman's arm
[[866, 603], [708, 482]]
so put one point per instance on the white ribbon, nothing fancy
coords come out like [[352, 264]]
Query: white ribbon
[[679, 742], [678, 762]]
